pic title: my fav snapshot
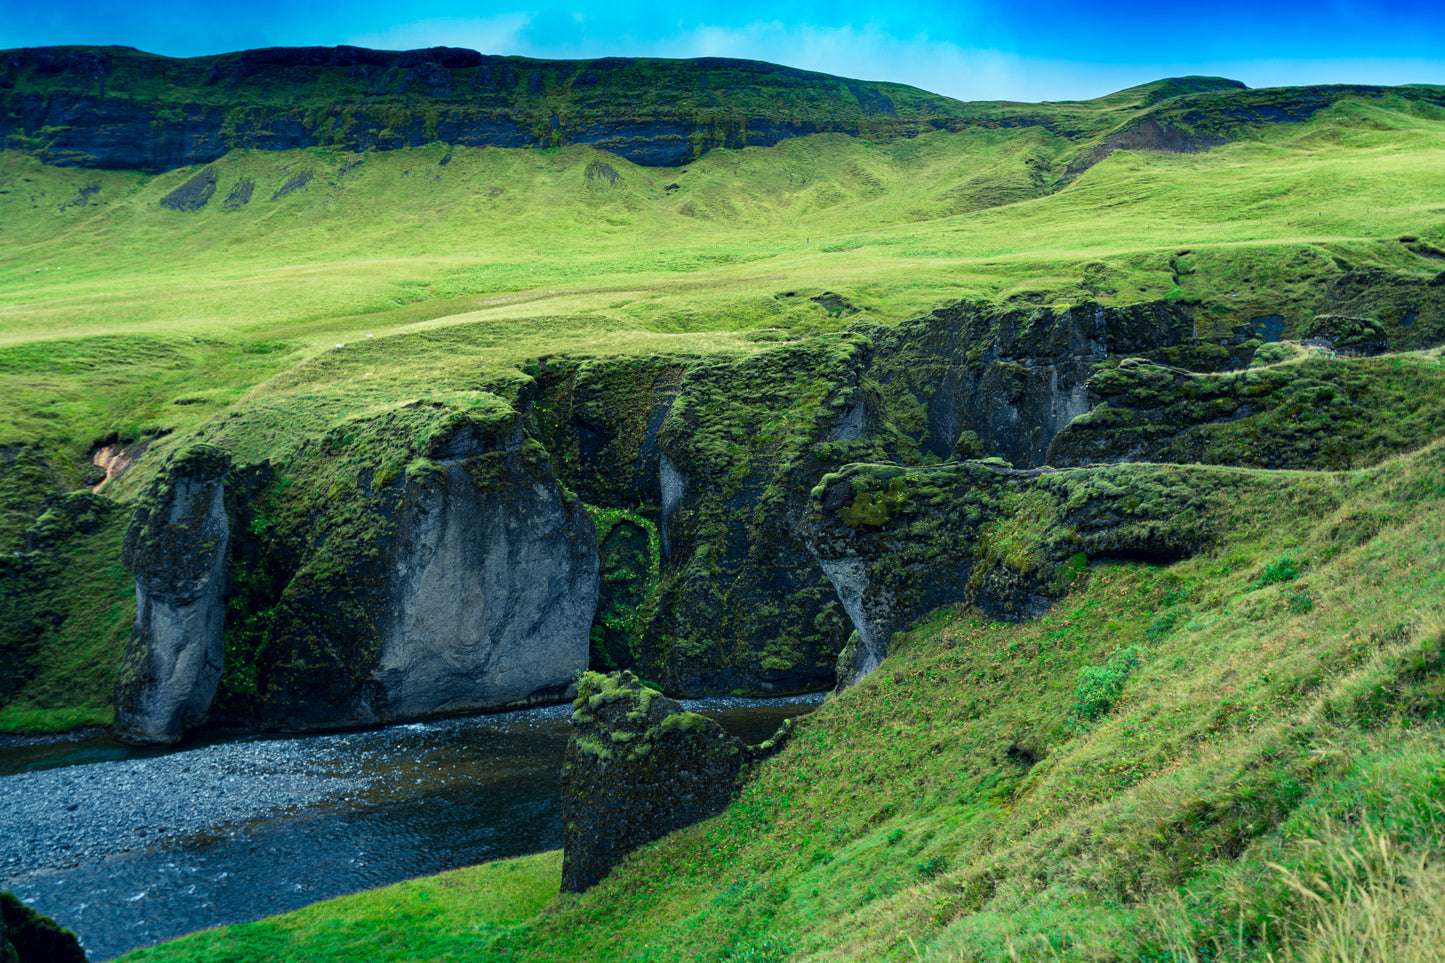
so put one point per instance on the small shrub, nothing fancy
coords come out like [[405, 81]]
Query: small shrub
[[1271, 353], [1099, 686], [1161, 626], [932, 867], [1282, 569], [1301, 601]]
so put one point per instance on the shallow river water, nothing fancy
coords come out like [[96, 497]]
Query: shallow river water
[[130, 848]]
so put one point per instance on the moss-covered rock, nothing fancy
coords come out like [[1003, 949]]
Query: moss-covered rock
[[419, 561], [60, 580], [1009, 541], [720, 454], [990, 382], [28, 936], [1351, 335], [1323, 412], [741, 604], [715, 456], [637, 767]]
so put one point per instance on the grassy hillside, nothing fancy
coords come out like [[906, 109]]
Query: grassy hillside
[[434, 272], [1237, 757]]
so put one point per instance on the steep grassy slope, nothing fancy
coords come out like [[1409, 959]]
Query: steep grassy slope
[[878, 222], [1235, 756]]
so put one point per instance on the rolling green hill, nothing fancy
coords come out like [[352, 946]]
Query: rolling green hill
[[1233, 756]]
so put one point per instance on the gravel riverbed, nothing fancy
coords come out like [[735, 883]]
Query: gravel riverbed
[[58, 818]]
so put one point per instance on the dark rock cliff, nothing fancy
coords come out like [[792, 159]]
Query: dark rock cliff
[[638, 767], [1004, 383], [115, 107], [176, 549], [664, 514], [420, 562], [720, 455]]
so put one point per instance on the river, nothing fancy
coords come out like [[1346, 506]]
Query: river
[[134, 847]]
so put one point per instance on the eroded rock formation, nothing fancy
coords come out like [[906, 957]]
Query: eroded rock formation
[[176, 549], [638, 767], [898, 542], [721, 455], [467, 580], [492, 587]]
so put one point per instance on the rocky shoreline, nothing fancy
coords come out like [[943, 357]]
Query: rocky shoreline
[[58, 818], [63, 817]]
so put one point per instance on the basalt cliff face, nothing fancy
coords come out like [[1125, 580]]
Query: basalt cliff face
[[176, 549], [119, 108], [720, 457], [492, 583], [115, 107], [467, 582], [725, 524]]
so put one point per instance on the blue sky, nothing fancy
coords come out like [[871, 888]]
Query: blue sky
[[1039, 50]]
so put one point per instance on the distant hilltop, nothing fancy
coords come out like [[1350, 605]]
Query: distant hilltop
[[120, 108]]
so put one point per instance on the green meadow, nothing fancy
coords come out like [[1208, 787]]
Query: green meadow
[[118, 315], [1235, 757]]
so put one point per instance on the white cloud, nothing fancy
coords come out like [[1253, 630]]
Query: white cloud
[[870, 52], [984, 74], [501, 34]]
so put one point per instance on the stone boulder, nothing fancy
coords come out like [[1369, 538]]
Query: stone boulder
[[638, 767], [176, 550], [1361, 336]]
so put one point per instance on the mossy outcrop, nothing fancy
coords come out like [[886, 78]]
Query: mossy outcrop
[[417, 562], [715, 456], [720, 454], [1352, 335], [638, 767], [29, 936], [972, 381], [898, 542], [176, 549], [1321, 411], [51, 581]]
